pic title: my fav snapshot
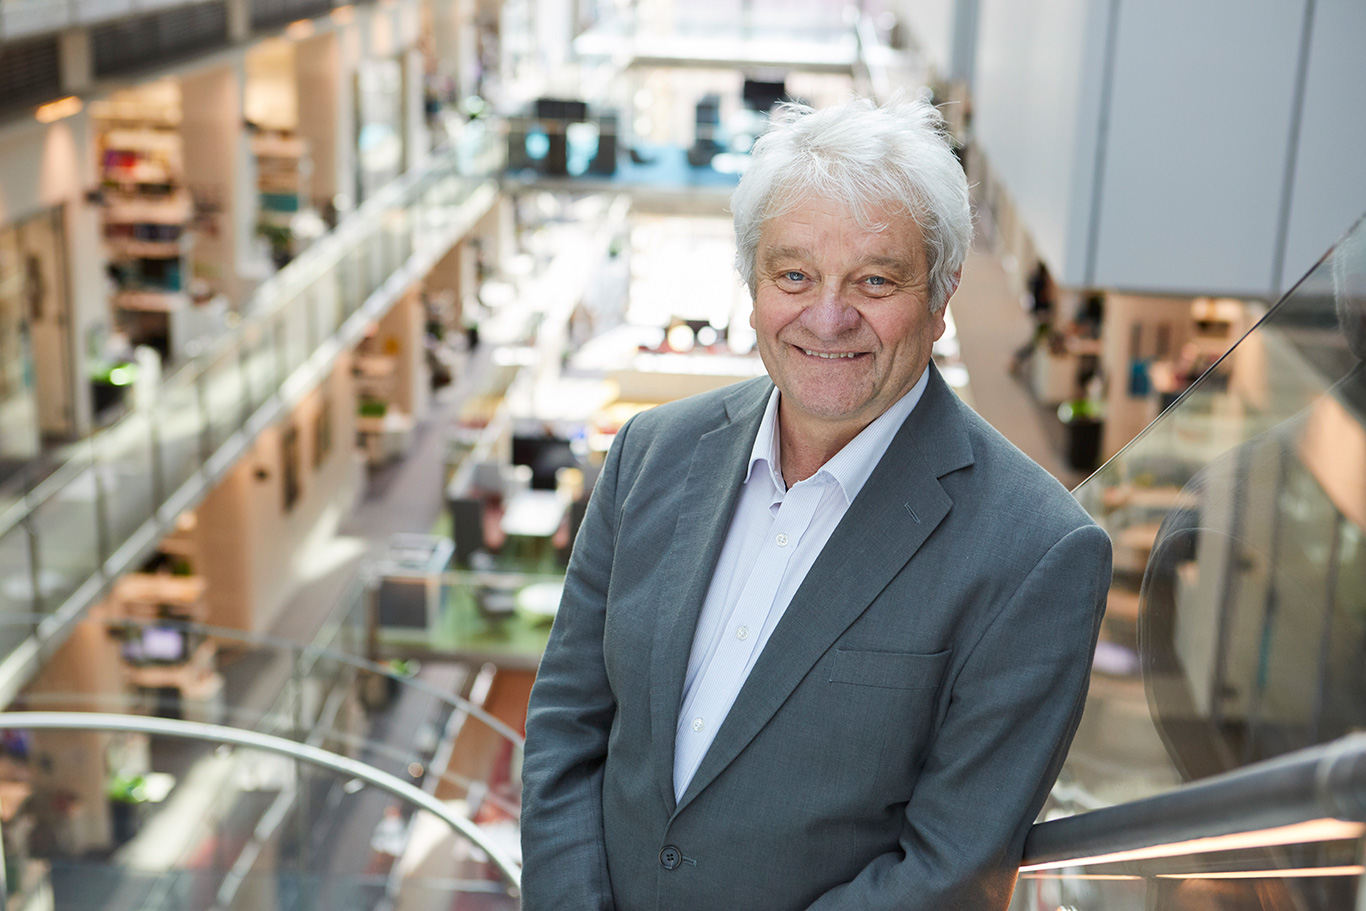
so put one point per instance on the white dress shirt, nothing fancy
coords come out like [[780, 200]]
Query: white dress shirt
[[775, 535]]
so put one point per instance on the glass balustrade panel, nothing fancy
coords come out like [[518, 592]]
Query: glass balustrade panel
[[12, 489], [125, 466], [180, 428], [401, 719], [67, 530], [91, 885], [17, 602], [1236, 623], [293, 319], [325, 302], [223, 393], [349, 281], [259, 363], [160, 822]]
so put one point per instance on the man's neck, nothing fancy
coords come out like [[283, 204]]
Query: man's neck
[[802, 452]]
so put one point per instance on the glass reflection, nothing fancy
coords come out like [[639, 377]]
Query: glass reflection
[[1235, 628], [1252, 635]]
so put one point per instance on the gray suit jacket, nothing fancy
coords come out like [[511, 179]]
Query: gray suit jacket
[[900, 730]]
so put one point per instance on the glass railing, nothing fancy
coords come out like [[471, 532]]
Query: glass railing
[[209, 821], [105, 507], [397, 719], [91, 886], [1234, 637], [241, 820]]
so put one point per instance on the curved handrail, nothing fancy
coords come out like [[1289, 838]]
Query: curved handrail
[[240, 719], [212, 733], [1323, 785]]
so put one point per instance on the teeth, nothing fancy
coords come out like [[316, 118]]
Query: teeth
[[830, 356]]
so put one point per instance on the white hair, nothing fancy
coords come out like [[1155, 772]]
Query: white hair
[[865, 156]]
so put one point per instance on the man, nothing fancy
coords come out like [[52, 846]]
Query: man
[[823, 640]]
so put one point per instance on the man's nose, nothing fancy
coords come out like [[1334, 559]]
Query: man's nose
[[831, 313]]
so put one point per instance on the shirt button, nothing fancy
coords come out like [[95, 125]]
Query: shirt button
[[742, 633], [781, 540], [697, 725]]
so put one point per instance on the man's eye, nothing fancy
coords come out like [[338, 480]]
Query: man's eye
[[876, 280], [794, 276]]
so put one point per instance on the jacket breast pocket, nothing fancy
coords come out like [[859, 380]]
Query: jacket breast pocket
[[889, 670]]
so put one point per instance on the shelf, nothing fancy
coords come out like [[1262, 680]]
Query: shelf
[[128, 248], [175, 209], [151, 300], [291, 147]]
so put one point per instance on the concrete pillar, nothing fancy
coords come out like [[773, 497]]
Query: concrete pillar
[[239, 20], [220, 172], [401, 336], [77, 62], [318, 74]]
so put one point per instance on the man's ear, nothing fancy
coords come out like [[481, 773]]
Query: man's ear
[[953, 284]]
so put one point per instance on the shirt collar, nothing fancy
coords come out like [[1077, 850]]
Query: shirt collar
[[852, 465]]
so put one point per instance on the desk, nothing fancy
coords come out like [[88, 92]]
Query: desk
[[196, 681], [539, 602], [384, 438], [533, 514], [140, 596]]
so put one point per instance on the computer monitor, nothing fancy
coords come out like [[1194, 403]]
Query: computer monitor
[[762, 94], [156, 645], [545, 455], [561, 109]]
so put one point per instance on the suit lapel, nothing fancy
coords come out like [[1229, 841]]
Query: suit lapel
[[707, 497], [899, 506]]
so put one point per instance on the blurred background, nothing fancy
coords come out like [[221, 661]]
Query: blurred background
[[317, 320]]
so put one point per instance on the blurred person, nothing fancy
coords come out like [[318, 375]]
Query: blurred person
[[825, 634], [1040, 288]]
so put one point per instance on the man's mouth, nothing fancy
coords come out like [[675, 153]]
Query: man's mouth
[[830, 355]]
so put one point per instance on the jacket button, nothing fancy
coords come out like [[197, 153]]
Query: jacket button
[[670, 857]]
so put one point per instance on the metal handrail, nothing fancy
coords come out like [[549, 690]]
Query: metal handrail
[[1321, 783], [217, 734]]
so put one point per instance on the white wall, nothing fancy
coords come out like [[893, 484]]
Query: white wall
[[1036, 110], [945, 31], [1194, 136], [931, 26], [1195, 154], [220, 170], [319, 77], [1330, 181], [252, 551]]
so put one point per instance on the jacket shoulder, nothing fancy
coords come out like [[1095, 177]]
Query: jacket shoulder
[[688, 418], [1025, 487]]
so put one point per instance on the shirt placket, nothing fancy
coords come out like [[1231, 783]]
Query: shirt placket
[[741, 640]]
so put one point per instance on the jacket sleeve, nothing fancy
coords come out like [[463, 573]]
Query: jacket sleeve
[[569, 718], [1012, 713]]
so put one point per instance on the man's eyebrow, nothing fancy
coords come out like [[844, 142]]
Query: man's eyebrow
[[891, 262], [774, 254]]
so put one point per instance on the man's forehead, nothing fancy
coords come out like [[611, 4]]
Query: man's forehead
[[879, 219], [881, 246]]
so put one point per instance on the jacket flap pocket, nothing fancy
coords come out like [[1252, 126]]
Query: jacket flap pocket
[[892, 670]]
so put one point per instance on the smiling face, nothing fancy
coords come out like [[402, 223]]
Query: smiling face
[[842, 316]]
